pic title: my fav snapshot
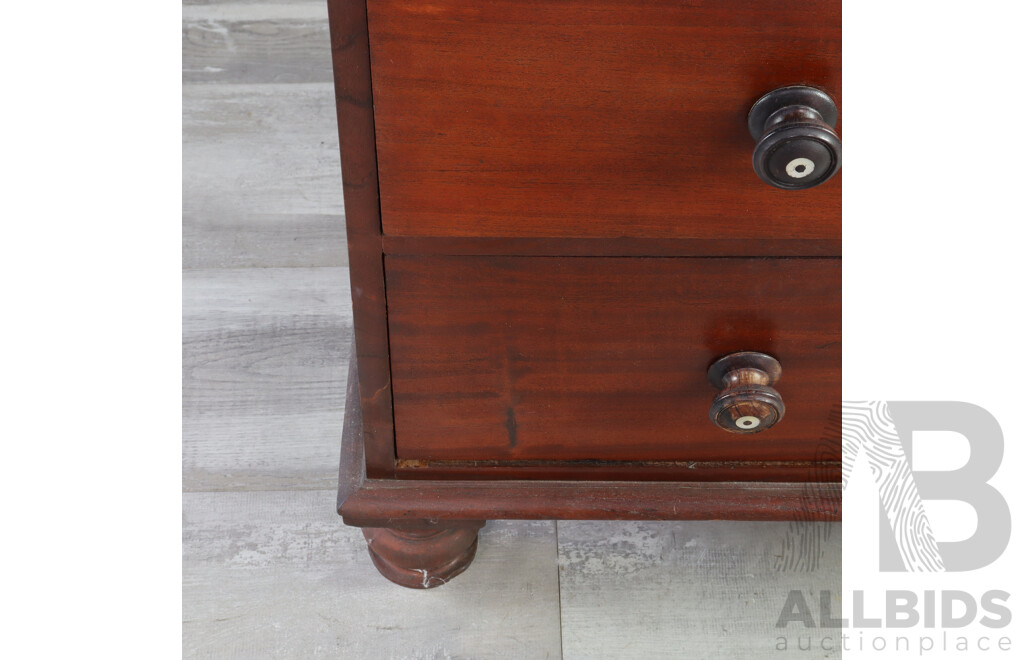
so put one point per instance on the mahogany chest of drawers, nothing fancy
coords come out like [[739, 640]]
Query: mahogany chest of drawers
[[595, 257]]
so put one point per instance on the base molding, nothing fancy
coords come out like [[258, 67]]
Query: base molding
[[397, 504]]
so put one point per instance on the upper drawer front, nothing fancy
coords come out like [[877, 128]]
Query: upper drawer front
[[592, 118], [529, 358]]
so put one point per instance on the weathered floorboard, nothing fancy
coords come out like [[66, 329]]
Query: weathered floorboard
[[277, 575], [261, 177], [256, 43], [694, 589], [265, 361]]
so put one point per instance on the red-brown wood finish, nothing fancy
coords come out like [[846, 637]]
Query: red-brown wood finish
[[593, 118], [350, 51], [611, 247], [392, 502], [463, 503], [422, 558], [604, 358], [560, 358], [554, 229], [825, 467]]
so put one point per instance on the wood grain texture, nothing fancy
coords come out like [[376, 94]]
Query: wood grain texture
[[422, 558], [593, 118], [610, 247], [508, 358], [269, 42], [391, 502], [826, 468], [350, 53], [264, 362], [190, 5], [260, 177], [278, 575], [481, 494], [693, 590]]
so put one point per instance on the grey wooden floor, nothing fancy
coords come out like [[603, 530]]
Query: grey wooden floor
[[269, 570]]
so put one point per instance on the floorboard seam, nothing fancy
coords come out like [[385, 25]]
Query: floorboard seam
[[558, 587]]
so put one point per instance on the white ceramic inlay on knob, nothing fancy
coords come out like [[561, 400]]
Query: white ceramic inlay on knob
[[748, 422], [798, 168]]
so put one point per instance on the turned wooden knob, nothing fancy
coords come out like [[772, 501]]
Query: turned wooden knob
[[747, 402], [797, 144]]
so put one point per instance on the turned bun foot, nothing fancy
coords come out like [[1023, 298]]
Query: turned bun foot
[[422, 558]]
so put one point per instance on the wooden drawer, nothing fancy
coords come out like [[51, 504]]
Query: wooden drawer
[[592, 118], [531, 358]]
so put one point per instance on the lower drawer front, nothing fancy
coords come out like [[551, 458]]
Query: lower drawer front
[[535, 358]]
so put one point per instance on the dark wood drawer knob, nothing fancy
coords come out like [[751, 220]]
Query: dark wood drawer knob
[[747, 403], [797, 145]]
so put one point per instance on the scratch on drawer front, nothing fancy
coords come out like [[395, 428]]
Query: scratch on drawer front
[[510, 424]]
